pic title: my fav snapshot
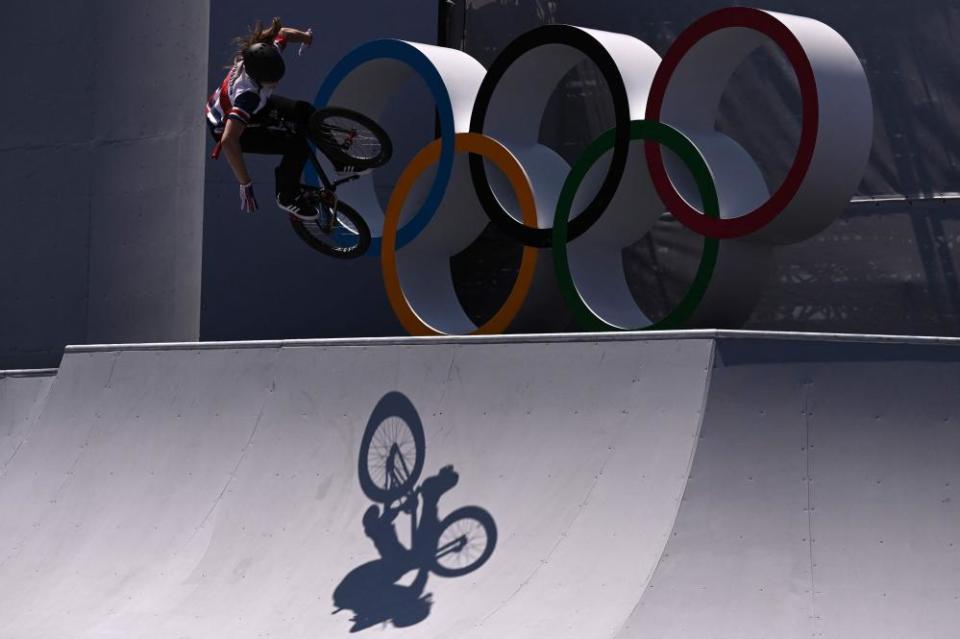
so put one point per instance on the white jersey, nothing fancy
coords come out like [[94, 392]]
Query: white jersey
[[239, 97]]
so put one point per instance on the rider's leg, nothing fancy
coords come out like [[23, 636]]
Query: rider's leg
[[419, 582], [431, 490], [285, 122], [426, 525], [288, 172], [264, 141], [294, 150], [295, 113]]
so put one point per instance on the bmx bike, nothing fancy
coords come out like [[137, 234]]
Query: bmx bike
[[355, 145], [391, 461]]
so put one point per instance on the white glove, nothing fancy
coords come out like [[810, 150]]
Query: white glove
[[304, 45], [248, 201]]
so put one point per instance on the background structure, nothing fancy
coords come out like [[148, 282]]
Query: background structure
[[101, 175], [259, 280], [114, 220], [889, 264]]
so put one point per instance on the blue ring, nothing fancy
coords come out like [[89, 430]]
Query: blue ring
[[414, 58]]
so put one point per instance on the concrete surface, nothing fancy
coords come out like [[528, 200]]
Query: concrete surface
[[699, 484], [22, 396]]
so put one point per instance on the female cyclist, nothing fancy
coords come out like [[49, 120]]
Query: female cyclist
[[244, 115]]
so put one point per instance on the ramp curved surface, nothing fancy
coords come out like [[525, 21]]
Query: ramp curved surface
[[700, 484], [824, 499], [197, 492], [22, 396]]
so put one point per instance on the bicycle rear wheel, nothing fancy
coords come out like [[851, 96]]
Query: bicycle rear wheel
[[350, 139], [467, 538], [347, 238]]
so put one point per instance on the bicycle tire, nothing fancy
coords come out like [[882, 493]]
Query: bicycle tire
[[393, 405], [486, 522], [368, 146], [329, 243]]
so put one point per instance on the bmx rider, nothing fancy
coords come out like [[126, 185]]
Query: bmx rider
[[245, 116]]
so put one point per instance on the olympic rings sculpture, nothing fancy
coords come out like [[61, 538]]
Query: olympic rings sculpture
[[580, 218]]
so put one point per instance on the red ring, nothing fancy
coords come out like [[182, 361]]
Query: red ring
[[768, 25]]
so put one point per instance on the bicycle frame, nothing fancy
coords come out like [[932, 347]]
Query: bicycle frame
[[418, 541], [326, 183], [410, 503], [330, 185]]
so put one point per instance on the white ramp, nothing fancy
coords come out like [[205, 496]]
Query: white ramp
[[22, 395], [824, 500], [678, 486], [213, 492]]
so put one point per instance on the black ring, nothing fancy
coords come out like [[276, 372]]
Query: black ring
[[583, 42]]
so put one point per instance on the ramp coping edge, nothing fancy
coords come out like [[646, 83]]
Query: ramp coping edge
[[522, 339], [28, 372]]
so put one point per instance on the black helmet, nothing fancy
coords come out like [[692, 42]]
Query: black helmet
[[264, 63]]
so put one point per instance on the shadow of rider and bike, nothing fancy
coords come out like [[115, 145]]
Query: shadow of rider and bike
[[391, 461]]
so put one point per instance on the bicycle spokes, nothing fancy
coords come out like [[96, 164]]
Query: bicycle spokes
[[392, 454], [338, 230], [461, 544], [348, 137]]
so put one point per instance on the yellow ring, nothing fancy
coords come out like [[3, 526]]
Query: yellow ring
[[504, 160]]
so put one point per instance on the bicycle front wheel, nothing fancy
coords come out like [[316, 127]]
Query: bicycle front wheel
[[392, 449], [347, 237], [350, 139]]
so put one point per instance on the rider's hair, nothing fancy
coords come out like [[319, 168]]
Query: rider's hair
[[257, 33]]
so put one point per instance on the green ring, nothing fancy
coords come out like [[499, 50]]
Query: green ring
[[688, 153]]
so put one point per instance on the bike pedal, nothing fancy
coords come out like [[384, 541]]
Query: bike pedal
[[352, 171]]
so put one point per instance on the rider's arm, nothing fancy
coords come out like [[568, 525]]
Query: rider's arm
[[238, 117], [231, 149], [295, 35]]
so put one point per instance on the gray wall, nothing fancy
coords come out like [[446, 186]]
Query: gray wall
[[259, 280], [105, 184], [101, 175]]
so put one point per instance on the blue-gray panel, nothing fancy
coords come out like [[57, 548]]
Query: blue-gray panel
[[101, 176]]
